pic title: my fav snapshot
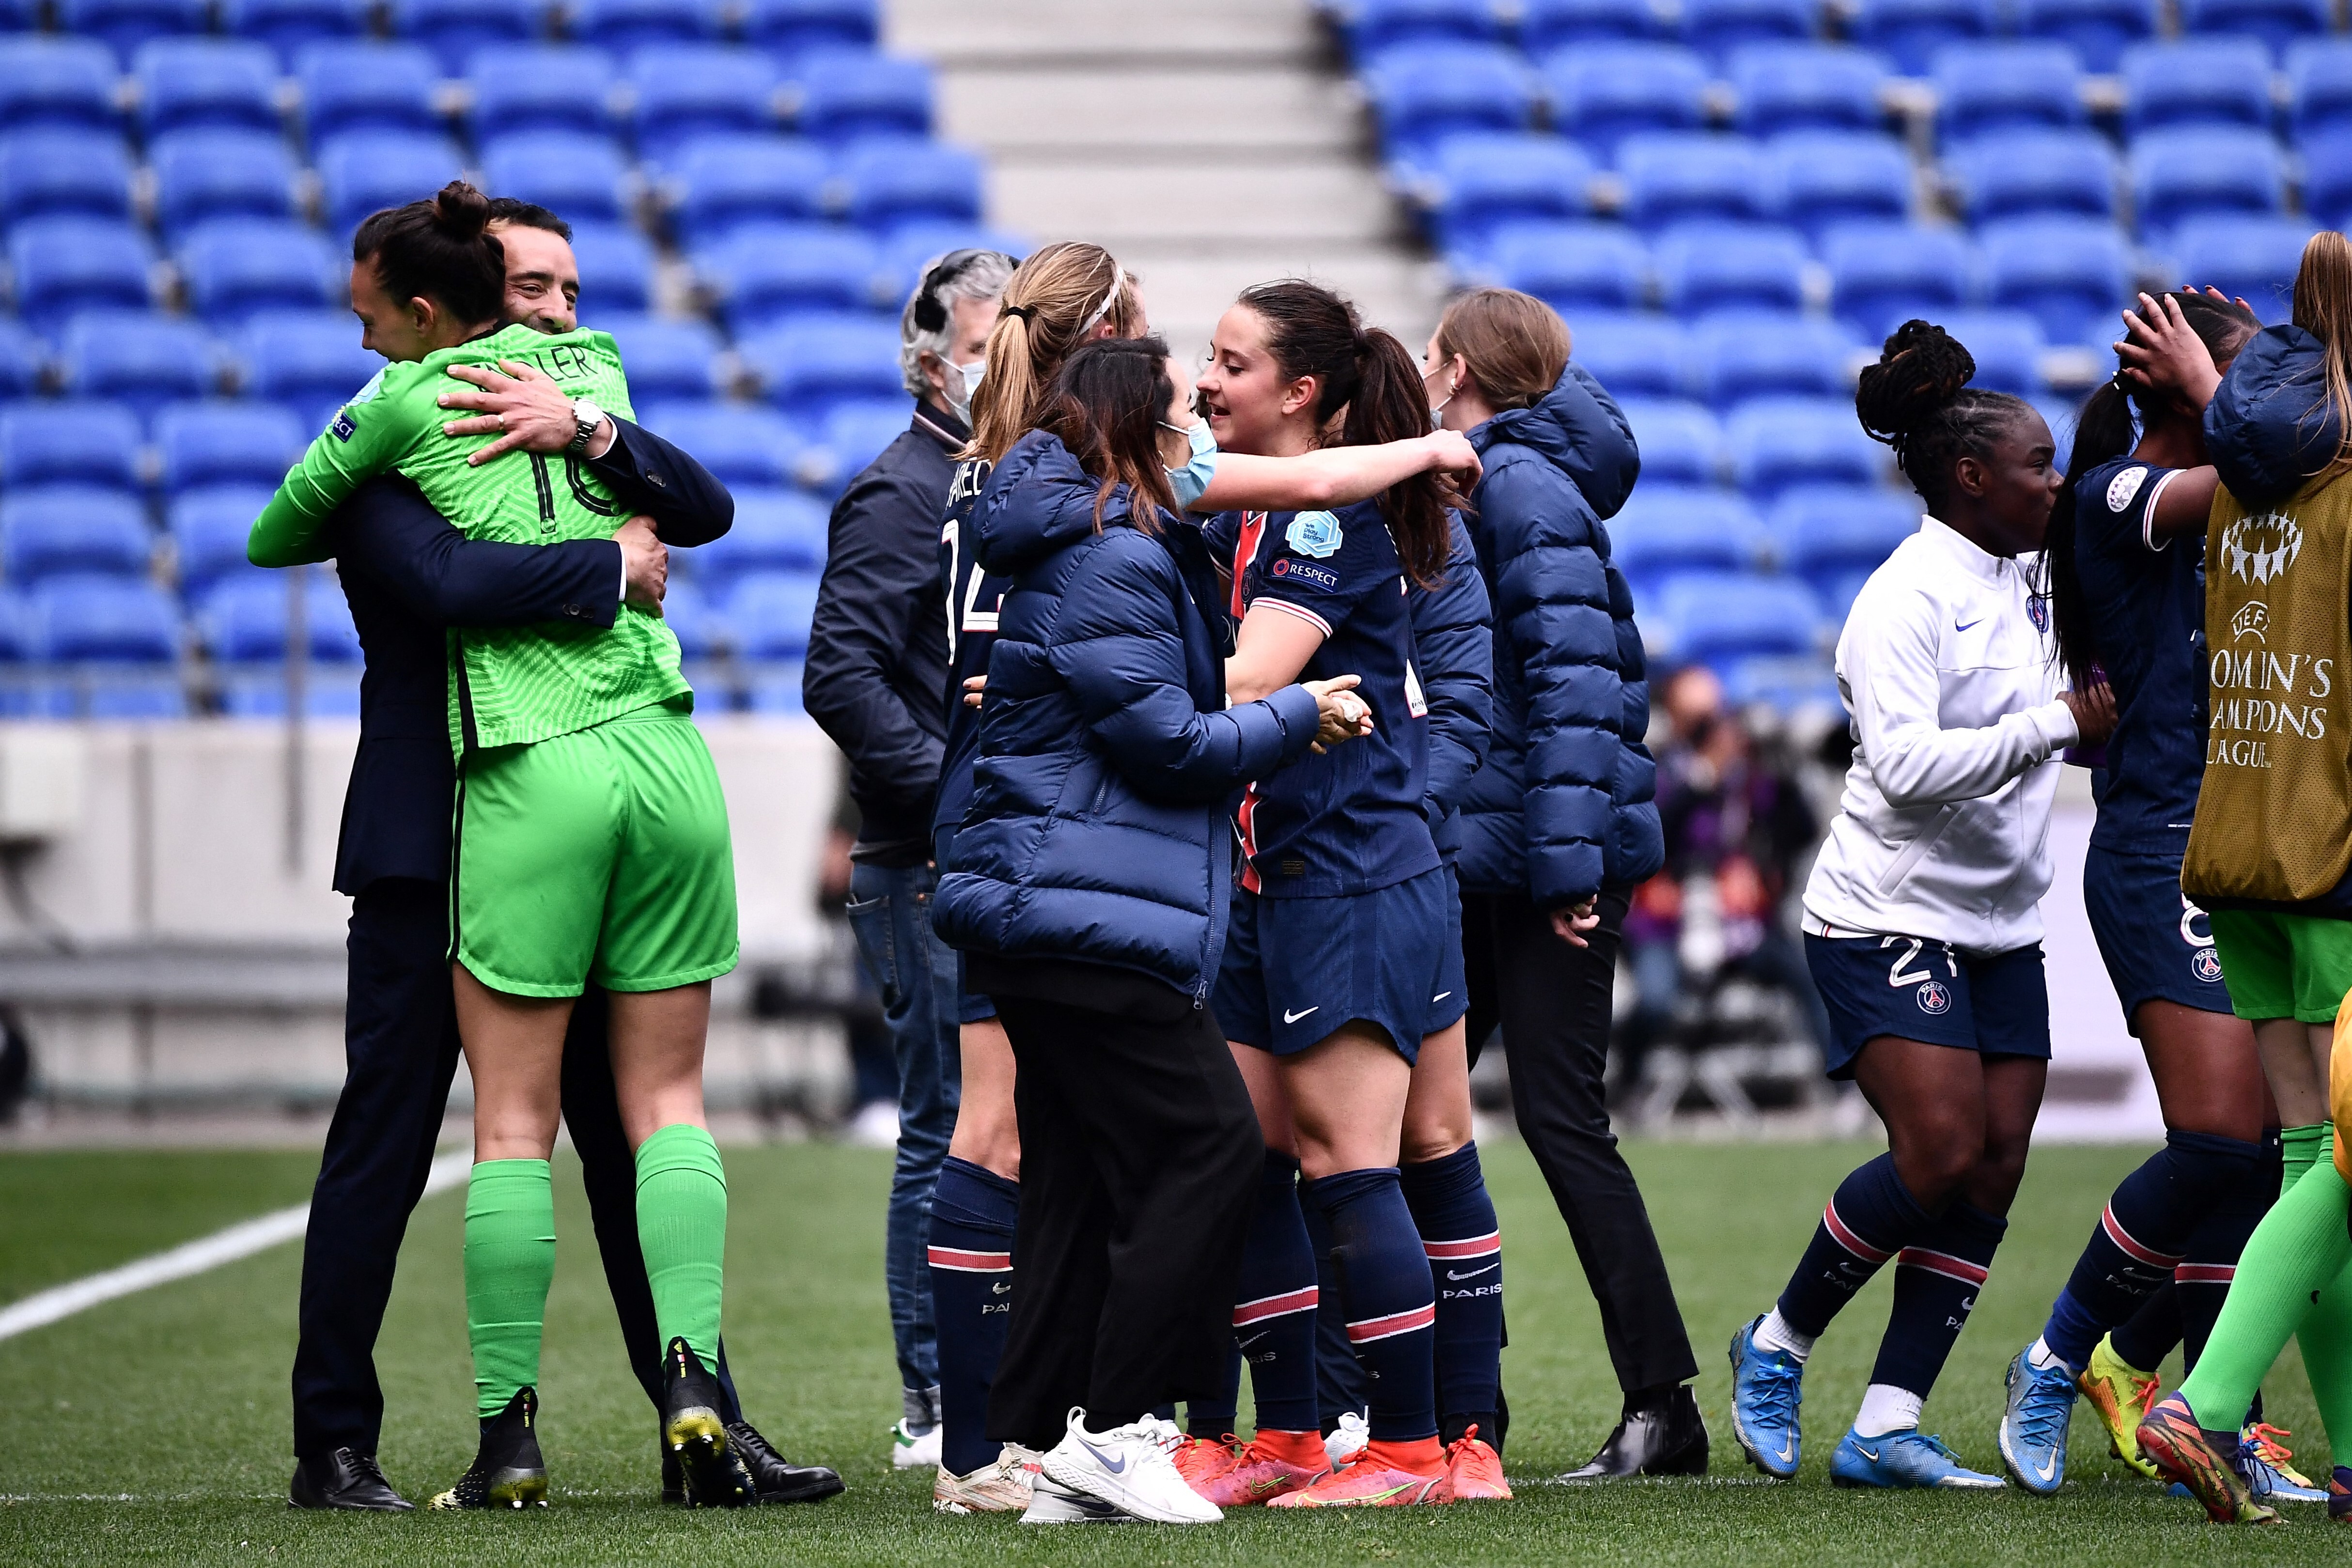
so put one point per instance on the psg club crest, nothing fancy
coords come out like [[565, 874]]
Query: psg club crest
[[2037, 610], [2205, 966], [1935, 999]]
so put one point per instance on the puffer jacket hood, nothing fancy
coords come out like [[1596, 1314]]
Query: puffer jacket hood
[[1038, 501], [1577, 429], [2271, 425]]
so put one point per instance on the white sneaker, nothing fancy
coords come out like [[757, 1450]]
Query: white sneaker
[[1050, 1502], [1346, 1440], [910, 1452], [1000, 1486], [1132, 1468]]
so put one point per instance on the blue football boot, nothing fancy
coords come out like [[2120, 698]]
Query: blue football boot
[[1767, 1386], [2034, 1427], [1907, 1459]]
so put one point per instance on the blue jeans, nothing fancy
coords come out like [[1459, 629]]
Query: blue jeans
[[890, 914]]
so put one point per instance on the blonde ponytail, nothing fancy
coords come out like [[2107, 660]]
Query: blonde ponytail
[[2323, 307], [1053, 302]]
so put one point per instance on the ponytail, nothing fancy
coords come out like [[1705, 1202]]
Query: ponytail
[[2323, 307], [1053, 302], [439, 249]]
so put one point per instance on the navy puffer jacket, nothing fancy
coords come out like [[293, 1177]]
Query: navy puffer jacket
[[2271, 425], [1565, 803], [1097, 829]]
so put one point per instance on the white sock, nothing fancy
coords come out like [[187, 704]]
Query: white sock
[[1886, 1408], [1774, 1333], [2042, 1358]]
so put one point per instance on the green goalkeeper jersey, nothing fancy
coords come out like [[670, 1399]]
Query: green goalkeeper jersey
[[515, 685]]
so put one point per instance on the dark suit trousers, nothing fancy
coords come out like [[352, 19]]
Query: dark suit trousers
[[400, 1044], [1552, 1001]]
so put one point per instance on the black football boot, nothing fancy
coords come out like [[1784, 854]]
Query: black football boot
[[507, 1471], [694, 1432]]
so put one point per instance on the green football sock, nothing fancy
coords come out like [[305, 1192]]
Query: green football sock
[[509, 1263], [2291, 1259], [2303, 1147], [682, 1227]]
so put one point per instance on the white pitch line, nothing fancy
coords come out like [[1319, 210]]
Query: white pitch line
[[205, 1253]]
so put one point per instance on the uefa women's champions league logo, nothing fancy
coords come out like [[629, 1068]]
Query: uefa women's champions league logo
[[2259, 550]]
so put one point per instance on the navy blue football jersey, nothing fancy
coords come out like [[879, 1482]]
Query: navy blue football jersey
[[972, 596]]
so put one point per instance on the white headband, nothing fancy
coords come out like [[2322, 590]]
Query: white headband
[[1118, 282]]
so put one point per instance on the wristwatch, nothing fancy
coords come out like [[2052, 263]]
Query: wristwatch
[[590, 419]]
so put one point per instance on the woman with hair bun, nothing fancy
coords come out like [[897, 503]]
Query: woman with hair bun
[[1922, 917]]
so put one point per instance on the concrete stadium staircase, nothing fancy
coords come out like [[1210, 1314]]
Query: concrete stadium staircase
[[1210, 145]]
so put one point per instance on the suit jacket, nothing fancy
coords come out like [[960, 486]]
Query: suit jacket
[[410, 575]]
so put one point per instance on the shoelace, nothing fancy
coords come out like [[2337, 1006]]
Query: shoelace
[[2264, 1439], [365, 1465], [1773, 1394], [1941, 1449], [2044, 1412], [1456, 1449]]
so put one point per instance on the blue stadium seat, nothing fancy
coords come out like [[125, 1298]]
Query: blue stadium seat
[[234, 267], [854, 435], [1749, 355], [105, 620], [55, 170], [1829, 533], [576, 175], [772, 270], [1882, 275], [124, 24], [220, 441], [701, 630], [1672, 176], [848, 96], [686, 90], [1547, 24], [1775, 443], [626, 25], [188, 82], [1716, 617], [776, 690], [310, 361], [1665, 529], [2207, 81], [1573, 267], [205, 174], [2007, 346], [541, 87], [775, 531], [2069, 274], [666, 359], [209, 528], [1372, 26], [1716, 27], [1806, 87], [1680, 442], [68, 443], [52, 530], [2327, 176], [2015, 174], [140, 360], [1424, 95], [616, 267], [1998, 87], [1822, 178], [717, 184], [67, 264], [242, 619], [770, 611], [1639, 354], [2277, 22], [1487, 180], [808, 369], [287, 26], [2320, 73], [1710, 267], [329, 691], [2098, 31], [362, 86], [890, 184], [19, 640], [22, 357], [364, 171], [1602, 93], [2253, 259], [1909, 31], [56, 81], [2202, 172], [911, 248], [740, 444], [788, 27], [453, 31]]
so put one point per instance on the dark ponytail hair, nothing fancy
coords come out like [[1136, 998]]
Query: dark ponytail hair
[[1917, 398], [439, 249], [1311, 331], [1105, 405], [2105, 430]]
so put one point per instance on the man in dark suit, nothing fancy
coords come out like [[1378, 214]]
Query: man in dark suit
[[409, 574]]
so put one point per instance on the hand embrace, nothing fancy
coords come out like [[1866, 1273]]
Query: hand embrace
[[524, 407], [1451, 453], [645, 565], [2095, 713], [1342, 716]]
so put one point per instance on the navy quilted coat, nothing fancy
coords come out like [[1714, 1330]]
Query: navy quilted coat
[[1097, 827], [1453, 652], [2271, 425], [1565, 803]]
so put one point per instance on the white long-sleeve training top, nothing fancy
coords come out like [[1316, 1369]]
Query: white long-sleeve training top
[[1943, 830]]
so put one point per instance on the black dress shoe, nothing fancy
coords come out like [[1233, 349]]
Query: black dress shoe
[[1660, 1438], [777, 1480], [343, 1479]]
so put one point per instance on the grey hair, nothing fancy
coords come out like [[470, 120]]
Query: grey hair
[[984, 278]]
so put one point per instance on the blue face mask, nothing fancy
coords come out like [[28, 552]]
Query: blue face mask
[[1191, 481]]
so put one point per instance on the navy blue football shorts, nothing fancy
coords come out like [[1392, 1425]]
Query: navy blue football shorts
[[970, 1006], [1451, 999], [1914, 989], [1296, 970], [2159, 945]]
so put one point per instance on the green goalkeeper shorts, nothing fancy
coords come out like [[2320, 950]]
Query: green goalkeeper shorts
[[599, 855], [2283, 966]]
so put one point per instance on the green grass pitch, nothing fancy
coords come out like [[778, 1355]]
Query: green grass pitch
[[155, 1428]]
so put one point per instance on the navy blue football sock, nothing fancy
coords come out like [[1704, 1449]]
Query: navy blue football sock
[[1274, 1320], [1869, 1218], [1937, 1277], [1391, 1308], [972, 1214], [1340, 1383], [2144, 1339], [1464, 1246], [2201, 1279], [2143, 1235], [1216, 1419]]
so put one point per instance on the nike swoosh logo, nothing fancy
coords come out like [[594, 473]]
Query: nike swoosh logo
[[1964, 625], [1119, 1466], [1289, 1017], [1441, 996], [1473, 1273], [1870, 1454], [1255, 1338]]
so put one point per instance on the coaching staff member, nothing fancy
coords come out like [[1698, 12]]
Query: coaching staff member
[[408, 574]]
